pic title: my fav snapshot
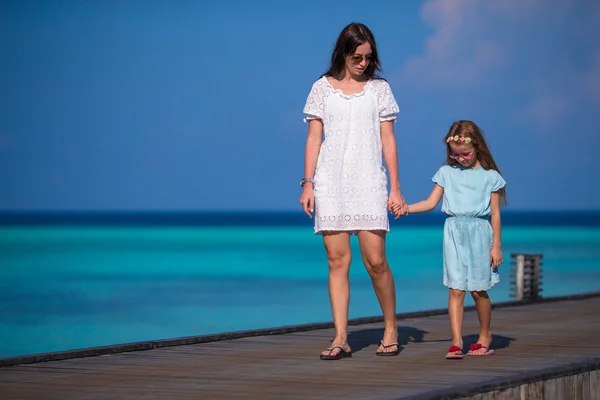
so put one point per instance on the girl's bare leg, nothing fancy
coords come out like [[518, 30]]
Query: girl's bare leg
[[456, 300], [484, 312]]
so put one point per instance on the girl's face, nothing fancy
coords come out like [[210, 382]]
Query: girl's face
[[359, 61], [464, 153]]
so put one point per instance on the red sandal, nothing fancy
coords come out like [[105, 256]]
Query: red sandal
[[457, 353], [477, 346]]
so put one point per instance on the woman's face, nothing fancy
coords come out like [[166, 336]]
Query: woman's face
[[359, 61]]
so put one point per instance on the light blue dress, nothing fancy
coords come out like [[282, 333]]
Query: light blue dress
[[467, 231]]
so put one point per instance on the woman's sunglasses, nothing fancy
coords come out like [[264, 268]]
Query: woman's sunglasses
[[357, 58]]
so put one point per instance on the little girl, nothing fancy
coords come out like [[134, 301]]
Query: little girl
[[472, 190]]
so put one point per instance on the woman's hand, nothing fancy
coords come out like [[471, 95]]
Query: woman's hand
[[496, 257], [307, 199], [397, 204]]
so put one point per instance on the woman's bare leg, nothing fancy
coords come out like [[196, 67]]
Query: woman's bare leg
[[372, 247], [339, 256]]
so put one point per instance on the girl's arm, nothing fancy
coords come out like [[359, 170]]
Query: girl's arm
[[496, 253], [495, 220], [427, 205]]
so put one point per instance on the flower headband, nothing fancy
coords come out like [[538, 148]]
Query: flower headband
[[457, 138]]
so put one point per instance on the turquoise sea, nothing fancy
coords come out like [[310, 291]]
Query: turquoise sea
[[71, 281]]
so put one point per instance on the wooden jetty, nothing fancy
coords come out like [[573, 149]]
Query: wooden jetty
[[547, 349]]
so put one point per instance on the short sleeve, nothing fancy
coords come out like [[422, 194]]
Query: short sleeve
[[386, 103], [498, 182], [440, 176], [315, 103]]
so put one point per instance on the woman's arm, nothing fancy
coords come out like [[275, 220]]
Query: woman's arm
[[396, 202], [313, 146], [427, 205], [390, 154]]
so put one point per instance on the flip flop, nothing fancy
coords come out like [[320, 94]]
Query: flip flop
[[477, 346], [454, 356], [342, 354], [388, 353]]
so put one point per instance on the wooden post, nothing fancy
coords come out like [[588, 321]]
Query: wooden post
[[526, 276], [519, 273]]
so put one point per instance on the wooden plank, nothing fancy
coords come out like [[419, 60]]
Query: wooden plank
[[595, 385], [510, 393], [482, 396], [532, 391], [574, 387]]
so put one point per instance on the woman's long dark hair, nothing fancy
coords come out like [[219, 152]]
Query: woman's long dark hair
[[350, 38]]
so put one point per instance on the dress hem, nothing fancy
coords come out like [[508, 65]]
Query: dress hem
[[352, 231], [472, 288]]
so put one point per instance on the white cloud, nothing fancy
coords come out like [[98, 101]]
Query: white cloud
[[520, 8], [452, 57], [537, 50]]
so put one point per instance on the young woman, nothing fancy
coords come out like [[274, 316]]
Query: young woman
[[345, 183]]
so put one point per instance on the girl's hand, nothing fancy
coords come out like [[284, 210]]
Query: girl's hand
[[397, 204], [307, 199], [398, 212], [496, 257]]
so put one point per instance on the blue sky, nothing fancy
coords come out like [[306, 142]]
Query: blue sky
[[197, 105]]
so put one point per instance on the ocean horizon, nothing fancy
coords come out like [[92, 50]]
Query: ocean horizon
[[267, 218], [73, 280]]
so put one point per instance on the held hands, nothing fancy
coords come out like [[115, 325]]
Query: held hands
[[397, 205], [496, 257], [307, 199]]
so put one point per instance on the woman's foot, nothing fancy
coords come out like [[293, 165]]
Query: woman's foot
[[482, 347], [338, 349], [389, 344]]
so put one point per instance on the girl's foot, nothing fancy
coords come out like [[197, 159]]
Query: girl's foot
[[455, 351], [482, 347], [389, 344]]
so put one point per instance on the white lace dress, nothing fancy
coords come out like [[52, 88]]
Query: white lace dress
[[350, 180]]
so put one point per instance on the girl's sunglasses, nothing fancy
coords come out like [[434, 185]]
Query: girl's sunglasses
[[466, 156]]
